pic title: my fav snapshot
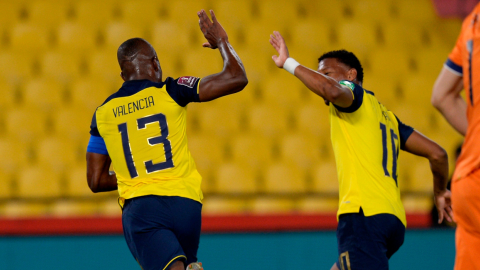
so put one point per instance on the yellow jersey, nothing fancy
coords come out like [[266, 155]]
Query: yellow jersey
[[366, 139], [143, 126]]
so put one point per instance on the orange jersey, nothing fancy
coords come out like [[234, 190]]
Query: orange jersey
[[466, 209], [464, 60]]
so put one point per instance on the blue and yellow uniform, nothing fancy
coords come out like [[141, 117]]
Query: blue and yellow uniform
[[366, 139], [142, 127]]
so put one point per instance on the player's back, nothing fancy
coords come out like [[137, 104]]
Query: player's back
[[144, 128], [366, 139]]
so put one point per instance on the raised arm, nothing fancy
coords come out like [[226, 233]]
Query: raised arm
[[232, 78], [322, 85], [446, 98], [420, 145], [98, 176]]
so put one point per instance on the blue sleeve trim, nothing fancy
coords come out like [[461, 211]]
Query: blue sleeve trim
[[405, 132], [183, 90], [93, 126], [97, 145], [454, 67], [357, 100]]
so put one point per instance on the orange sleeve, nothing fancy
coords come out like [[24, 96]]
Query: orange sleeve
[[454, 61], [456, 54]]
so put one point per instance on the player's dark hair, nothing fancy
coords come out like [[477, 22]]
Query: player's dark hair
[[347, 58]]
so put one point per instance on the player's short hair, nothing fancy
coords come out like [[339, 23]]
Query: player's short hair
[[130, 48], [347, 58]]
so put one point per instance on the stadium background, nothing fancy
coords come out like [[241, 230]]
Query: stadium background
[[265, 153]]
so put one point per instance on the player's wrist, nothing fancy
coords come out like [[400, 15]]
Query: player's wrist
[[290, 65], [437, 191], [221, 43], [222, 40]]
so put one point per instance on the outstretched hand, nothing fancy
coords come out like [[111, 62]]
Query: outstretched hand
[[443, 201], [278, 43], [212, 30]]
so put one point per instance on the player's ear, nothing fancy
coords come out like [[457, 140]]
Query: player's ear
[[352, 74], [156, 64]]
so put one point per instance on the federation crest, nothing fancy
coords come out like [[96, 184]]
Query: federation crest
[[187, 81]]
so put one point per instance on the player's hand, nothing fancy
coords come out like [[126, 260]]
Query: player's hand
[[278, 43], [212, 30], [443, 201]]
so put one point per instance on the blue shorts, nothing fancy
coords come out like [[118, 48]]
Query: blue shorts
[[160, 230], [368, 242]]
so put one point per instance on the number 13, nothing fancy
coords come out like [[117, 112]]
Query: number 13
[[167, 147]]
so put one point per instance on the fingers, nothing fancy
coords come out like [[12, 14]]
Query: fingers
[[272, 39], [447, 216], [446, 212], [200, 21], [204, 20], [450, 214], [202, 27], [199, 14], [278, 42], [206, 45], [214, 18], [275, 45], [440, 216], [278, 36]]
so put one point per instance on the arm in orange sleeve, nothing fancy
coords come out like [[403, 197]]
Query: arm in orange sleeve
[[446, 98], [446, 90]]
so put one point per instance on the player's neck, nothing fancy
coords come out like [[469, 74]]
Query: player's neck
[[140, 76], [357, 82]]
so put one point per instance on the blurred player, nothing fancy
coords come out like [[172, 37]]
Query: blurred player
[[366, 139], [464, 62], [141, 130]]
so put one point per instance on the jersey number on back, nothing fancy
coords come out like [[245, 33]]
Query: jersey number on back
[[394, 137], [167, 147]]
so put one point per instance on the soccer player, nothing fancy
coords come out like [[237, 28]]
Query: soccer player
[[464, 116], [141, 130], [366, 139]]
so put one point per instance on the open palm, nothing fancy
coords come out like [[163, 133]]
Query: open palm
[[278, 43]]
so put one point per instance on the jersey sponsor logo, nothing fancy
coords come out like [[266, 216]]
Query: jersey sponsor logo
[[347, 84], [187, 81]]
